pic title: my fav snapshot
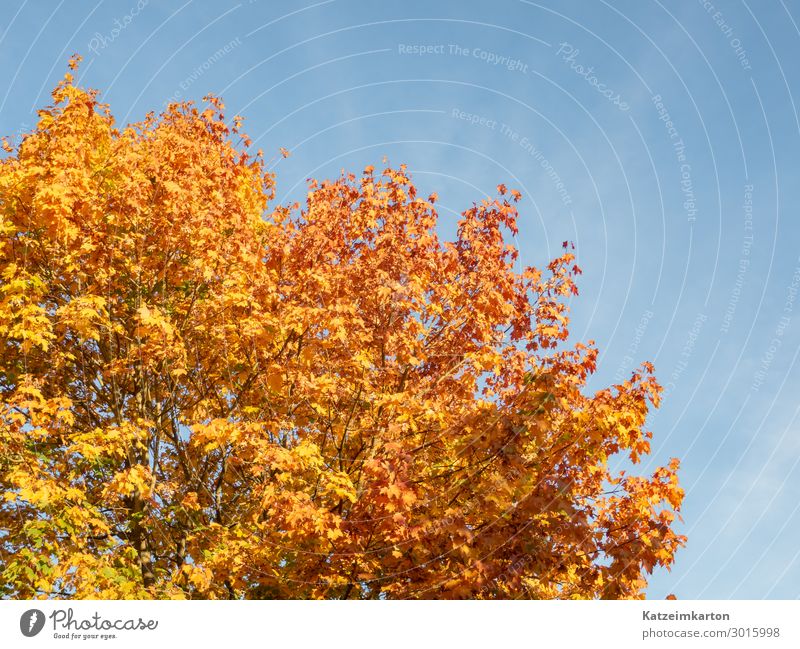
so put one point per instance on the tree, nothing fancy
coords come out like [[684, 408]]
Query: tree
[[207, 396]]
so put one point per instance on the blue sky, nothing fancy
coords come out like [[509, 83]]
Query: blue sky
[[660, 137]]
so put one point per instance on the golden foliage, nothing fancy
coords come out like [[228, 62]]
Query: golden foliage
[[205, 396]]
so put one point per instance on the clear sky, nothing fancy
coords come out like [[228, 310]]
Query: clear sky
[[661, 137]]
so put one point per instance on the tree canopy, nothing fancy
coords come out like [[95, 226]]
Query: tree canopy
[[207, 395]]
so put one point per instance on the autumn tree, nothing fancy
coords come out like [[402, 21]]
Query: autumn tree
[[205, 395]]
